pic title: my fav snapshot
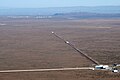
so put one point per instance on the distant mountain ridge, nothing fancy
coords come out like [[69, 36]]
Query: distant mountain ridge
[[81, 15], [54, 10]]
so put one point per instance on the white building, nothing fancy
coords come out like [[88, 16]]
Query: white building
[[102, 67]]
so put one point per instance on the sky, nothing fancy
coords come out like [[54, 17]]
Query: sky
[[55, 3]]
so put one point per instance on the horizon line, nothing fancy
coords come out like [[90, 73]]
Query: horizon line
[[66, 6]]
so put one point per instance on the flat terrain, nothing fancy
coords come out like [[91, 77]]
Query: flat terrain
[[29, 44]]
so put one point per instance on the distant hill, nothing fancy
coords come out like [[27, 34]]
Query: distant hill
[[81, 15], [52, 11]]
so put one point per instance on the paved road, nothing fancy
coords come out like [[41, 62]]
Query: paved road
[[43, 70]]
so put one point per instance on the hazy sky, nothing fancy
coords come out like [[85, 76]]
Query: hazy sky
[[55, 3]]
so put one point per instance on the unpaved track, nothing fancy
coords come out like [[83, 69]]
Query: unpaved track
[[43, 70]]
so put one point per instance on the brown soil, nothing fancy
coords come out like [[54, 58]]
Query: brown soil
[[29, 44]]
